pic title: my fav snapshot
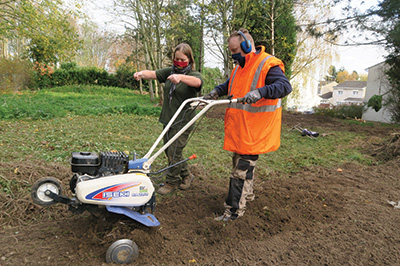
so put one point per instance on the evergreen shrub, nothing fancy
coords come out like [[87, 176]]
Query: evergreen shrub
[[341, 111], [71, 74]]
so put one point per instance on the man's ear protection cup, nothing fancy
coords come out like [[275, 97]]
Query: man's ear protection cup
[[246, 44]]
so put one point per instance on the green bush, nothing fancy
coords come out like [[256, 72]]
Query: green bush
[[212, 77], [375, 102], [43, 75], [80, 75], [69, 65], [15, 75], [341, 111], [71, 74], [124, 77]]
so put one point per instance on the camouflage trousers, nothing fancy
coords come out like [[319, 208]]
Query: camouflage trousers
[[240, 184], [174, 155]]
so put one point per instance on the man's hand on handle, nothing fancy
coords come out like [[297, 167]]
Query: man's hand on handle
[[213, 95], [252, 97]]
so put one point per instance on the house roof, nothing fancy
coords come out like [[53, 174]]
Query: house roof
[[327, 95], [354, 99], [351, 85], [323, 83], [383, 62]]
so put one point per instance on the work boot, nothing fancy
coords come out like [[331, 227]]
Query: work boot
[[250, 197], [186, 182], [166, 189], [226, 217]]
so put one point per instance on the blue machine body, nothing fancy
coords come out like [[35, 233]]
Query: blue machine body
[[136, 164], [147, 219]]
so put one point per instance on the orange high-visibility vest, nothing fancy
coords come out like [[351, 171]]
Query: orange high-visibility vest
[[253, 128]]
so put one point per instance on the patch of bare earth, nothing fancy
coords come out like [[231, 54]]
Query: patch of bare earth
[[335, 216]]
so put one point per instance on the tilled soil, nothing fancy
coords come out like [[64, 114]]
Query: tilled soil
[[320, 216]]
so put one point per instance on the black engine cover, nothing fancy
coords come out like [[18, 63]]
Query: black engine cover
[[85, 163], [95, 165]]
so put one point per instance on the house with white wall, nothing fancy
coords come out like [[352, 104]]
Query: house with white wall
[[377, 84], [349, 92], [325, 92]]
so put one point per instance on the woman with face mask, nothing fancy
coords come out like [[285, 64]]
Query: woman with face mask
[[181, 81]]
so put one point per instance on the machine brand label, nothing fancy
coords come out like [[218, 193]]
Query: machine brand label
[[143, 192], [140, 194], [119, 194], [113, 192]]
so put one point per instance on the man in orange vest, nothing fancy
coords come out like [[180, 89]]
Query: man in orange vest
[[255, 127]]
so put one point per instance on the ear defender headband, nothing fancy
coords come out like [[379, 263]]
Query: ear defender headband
[[246, 44]]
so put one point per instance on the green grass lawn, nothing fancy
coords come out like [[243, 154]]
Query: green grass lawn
[[74, 100]]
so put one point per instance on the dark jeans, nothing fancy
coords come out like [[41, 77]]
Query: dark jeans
[[174, 155]]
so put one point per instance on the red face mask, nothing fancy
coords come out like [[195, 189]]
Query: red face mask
[[180, 64]]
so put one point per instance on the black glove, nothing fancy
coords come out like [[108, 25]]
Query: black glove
[[252, 96], [213, 95]]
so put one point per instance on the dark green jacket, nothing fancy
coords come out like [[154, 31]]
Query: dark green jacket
[[181, 93]]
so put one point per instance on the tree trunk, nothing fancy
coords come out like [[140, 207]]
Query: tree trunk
[[150, 81], [273, 28], [137, 62], [201, 55], [4, 48]]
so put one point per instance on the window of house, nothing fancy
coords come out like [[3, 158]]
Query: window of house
[[340, 93], [355, 93]]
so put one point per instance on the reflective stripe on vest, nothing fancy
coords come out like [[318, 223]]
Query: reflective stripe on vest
[[249, 107], [256, 109], [233, 77], [258, 72]]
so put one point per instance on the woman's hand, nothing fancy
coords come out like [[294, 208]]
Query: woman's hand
[[175, 78], [188, 80], [138, 75]]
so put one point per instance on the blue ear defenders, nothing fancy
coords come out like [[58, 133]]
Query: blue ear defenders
[[246, 44]]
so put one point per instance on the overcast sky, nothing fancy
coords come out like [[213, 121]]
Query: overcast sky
[[361, 57]]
